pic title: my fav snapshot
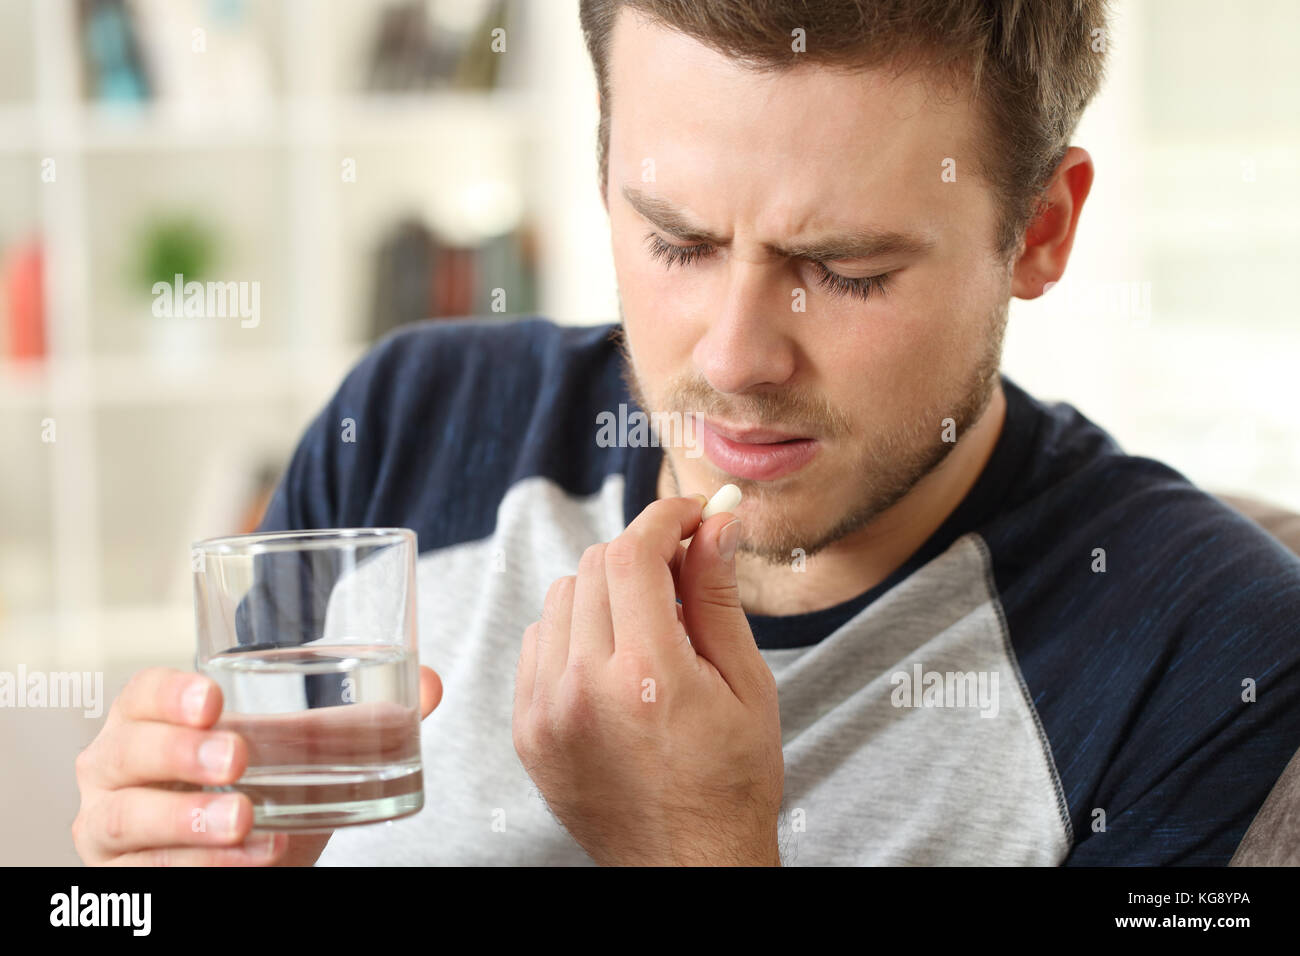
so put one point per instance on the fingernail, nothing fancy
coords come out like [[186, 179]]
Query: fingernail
[[224, 815], [728, 539], [195, 700], [216, 754], [703, 499]]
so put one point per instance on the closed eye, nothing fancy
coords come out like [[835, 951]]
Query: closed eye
[[676, 255], [859, 288]]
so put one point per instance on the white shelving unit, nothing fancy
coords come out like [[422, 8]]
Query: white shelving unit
[[95, 526]]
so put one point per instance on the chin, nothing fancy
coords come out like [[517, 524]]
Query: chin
[[778, 535]]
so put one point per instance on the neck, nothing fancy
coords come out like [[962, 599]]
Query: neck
[[861, 560]]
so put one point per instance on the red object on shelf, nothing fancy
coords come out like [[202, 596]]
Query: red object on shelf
[[453, 281], [26, 295]]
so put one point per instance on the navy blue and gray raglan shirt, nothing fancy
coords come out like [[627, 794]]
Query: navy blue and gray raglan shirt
[[999, 699]]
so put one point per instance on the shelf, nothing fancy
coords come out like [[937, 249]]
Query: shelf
[[133, 401], [147, 380], [393, 118], [166, 126]]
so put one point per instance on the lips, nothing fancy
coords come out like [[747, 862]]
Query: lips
[[760, 454]]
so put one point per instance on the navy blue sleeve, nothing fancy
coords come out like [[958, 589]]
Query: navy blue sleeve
[[1201, 674], [330, 482], [427, 432], [1216, 717], [394, 437], [1141, 611], [439, 419]]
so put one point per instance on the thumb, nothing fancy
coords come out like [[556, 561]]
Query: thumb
[[430, 691], [715, 621]]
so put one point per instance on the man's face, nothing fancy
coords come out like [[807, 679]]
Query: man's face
[[771, 167]]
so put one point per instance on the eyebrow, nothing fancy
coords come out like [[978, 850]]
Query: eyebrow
[[864, 243]]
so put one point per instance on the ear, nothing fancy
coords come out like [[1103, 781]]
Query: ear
[[1050, 236]]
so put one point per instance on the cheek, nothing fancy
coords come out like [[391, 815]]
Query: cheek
[[882, 365], [658, 327]]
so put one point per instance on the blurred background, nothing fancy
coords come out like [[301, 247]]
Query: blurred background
[[373, 162]]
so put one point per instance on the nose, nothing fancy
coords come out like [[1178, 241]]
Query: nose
[[747, 345]]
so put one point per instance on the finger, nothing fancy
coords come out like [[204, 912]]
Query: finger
[[260, 849], [141, 752], [140, 818], [430, 691], [591, 634], [323, 734], [675, 567], [715, 619], [171, 696], [638, 562], [553, 632]]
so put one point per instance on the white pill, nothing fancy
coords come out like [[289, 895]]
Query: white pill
[[724, 499]]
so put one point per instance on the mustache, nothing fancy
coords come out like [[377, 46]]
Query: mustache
[[792, 409]]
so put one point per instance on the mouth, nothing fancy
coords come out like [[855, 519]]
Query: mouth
[[760, 454]]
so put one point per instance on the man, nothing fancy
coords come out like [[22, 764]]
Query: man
[[947, 623]]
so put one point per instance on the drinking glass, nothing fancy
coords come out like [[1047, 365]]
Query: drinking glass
[[311, 636]]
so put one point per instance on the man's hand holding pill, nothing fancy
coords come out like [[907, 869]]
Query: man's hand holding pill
[[649, 747]]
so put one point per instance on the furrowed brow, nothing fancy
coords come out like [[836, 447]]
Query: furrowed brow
[[859, 244], [667, 217]]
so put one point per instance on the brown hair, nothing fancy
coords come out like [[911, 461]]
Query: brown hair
[[1030, 65]]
